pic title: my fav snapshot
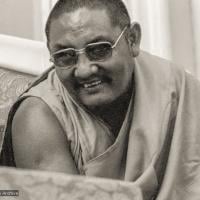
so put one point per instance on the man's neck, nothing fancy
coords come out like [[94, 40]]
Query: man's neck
[[113, 114]]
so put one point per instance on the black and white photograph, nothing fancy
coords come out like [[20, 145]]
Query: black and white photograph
[[100, 99]]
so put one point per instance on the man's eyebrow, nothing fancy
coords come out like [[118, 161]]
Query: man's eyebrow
[[100, 39], [57, 47]]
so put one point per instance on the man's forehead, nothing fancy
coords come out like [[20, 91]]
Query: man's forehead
[[81, 21], [82, 16]]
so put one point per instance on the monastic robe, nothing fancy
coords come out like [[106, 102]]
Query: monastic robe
[[158, 146]]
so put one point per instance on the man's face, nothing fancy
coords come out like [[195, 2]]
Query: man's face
[[93, 83]]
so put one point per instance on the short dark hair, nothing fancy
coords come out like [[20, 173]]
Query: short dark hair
[[115, 8]]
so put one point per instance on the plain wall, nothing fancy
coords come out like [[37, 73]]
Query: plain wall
[[21, 18]]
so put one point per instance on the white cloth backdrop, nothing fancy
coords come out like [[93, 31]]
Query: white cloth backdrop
[[170, 28]]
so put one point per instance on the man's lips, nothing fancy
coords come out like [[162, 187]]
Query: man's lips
[[92, 83]]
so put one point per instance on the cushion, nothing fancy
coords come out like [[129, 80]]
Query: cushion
[[12, 84]]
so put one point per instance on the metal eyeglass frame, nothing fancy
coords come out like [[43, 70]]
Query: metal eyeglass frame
[[81, 51]]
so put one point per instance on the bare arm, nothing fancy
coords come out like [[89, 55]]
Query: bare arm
[[39, 141]]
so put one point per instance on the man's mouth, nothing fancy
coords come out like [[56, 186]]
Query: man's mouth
[[92, 84]]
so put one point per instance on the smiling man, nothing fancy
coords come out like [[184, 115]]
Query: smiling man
[[106, 109]]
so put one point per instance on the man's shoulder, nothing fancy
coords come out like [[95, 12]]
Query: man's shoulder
[[156, 64], [34, 120], [31, 110], [159, 70]]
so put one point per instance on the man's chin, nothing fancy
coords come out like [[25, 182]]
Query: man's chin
[[96, 103]]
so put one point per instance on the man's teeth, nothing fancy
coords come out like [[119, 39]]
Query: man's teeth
[[88, 85]]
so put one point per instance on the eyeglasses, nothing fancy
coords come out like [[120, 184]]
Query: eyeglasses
[[98, 51]]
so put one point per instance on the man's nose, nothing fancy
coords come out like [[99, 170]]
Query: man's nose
[[84, 67]]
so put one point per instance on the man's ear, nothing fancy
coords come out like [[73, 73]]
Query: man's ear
[[134, 37]]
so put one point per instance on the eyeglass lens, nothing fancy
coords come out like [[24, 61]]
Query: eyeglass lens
[[94, 52]]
